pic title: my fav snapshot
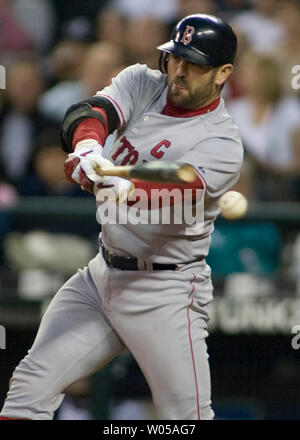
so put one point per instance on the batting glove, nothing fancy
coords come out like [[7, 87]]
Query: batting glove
[[80, 165], [113, 188]]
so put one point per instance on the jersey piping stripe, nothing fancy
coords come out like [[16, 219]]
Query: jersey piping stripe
[[191, 344], [11, 418], [116, 104], [201, 177]]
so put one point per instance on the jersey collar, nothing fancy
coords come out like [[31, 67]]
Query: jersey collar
[[180, 112]]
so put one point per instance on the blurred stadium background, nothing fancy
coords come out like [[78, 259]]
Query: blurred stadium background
[[56, 53]]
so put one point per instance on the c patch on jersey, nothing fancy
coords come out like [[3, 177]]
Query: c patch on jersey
[[187, 36]]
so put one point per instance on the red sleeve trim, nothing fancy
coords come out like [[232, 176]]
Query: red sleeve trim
[[91, 128]]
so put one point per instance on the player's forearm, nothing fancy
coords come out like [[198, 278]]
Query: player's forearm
[[91, 128]]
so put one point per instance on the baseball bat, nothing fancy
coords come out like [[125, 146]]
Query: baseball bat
[[169, 172]]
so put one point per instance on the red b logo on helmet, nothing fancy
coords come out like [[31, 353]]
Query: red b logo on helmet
[[187, 36]]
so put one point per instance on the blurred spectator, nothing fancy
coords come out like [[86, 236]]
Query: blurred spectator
[[8, 195], [65, 60], [245, 184], [20, 118], [8, 198], [188, 7], [48, 177], [102, 61], [107, 20], [260, 25], [38, 19], [143, 35], [25, 25], [78, 29], [14, 38], [165, 10], [266, 119], [287, 51], [68, 10], [230, 8]]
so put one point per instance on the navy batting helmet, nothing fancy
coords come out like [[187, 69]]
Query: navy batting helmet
[[201, 39]]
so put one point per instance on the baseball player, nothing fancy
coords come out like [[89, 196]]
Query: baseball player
[[149, 287]]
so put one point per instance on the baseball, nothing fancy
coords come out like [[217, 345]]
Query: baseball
[[233, 205]]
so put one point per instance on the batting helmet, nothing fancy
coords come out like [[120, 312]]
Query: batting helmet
[[201, 39]]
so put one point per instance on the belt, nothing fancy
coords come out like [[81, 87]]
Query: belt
[[128, 263]]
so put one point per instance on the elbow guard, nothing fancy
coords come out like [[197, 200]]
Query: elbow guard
[[84, 110]]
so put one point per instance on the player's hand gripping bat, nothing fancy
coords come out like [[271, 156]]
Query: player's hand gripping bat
[[169, 172]]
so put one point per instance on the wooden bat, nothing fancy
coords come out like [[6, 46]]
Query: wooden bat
[[153, 171]]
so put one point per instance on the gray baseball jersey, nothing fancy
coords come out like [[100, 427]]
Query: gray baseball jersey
[[210, 142], [161, 316]]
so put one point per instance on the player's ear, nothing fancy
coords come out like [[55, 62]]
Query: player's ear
[[163, 62], [223, 73]]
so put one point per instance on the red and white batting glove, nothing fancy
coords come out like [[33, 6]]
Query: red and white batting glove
[[80, 165], [80, 168], [113, 188]]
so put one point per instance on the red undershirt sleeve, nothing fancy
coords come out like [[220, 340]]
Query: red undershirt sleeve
[[91, 128]]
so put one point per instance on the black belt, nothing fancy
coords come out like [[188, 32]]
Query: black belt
[[128, 263]]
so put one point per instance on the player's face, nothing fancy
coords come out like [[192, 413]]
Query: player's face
[[192, 85]]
